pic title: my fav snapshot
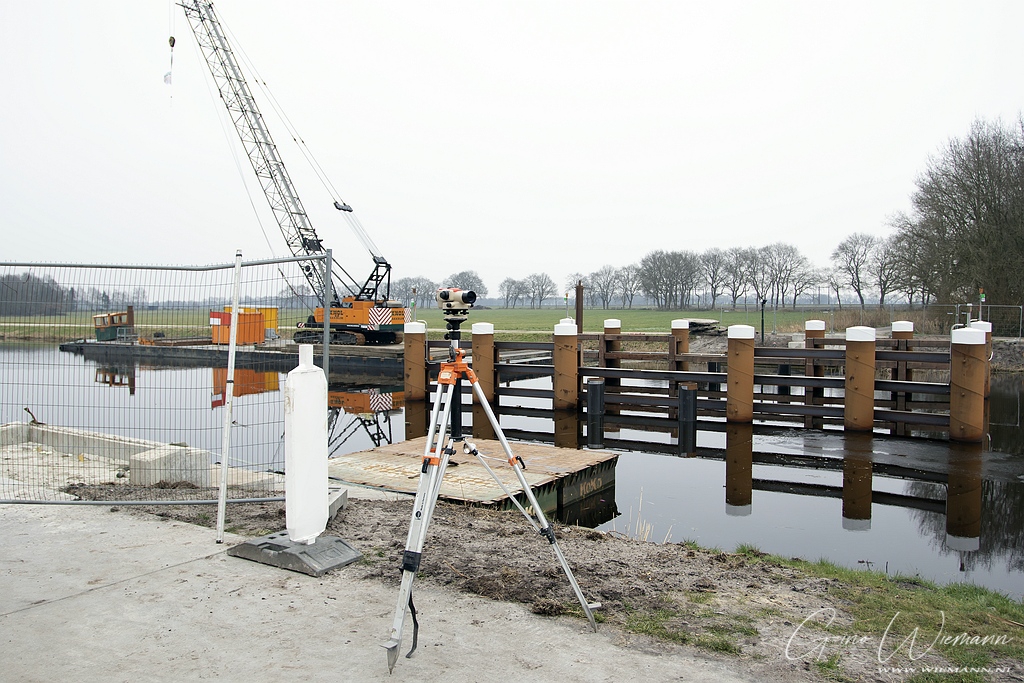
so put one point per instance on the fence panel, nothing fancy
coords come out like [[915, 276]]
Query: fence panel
[[112, 379]]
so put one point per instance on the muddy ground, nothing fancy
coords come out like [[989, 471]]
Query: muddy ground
[[740, 606]]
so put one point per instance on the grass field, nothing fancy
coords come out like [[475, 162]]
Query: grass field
[[518, 323]]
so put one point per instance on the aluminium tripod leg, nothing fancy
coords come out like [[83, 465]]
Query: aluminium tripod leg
[[435, 461], [541, 522]]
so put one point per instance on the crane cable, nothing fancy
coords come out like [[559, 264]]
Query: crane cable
[[229, 138], [311, 160]]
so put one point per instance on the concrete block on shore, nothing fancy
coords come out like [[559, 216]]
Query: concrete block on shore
[[170, 464]]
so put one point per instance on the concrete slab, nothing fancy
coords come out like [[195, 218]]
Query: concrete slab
[[92, 595]]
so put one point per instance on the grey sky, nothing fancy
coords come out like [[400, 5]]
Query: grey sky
[[508, 138]]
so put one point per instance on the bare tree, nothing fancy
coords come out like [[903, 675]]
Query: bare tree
[[467, 279], [883, 266], [540, 286], [713, 263], [605, 283], [512, 290], [735, 277], [629, 283], [852, 258]]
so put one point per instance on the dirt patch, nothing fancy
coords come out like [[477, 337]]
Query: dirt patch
[[743, 605]]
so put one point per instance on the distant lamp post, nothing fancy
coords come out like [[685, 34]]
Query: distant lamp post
[[763, 303]]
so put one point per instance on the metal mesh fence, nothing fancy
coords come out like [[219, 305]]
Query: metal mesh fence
[[112, 379]]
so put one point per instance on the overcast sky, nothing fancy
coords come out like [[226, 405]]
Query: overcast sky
[[506, 138]]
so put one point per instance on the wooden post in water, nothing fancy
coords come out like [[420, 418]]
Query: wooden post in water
[[739, 402], [681, 343], [813, 329], [566, 379], [986, 327], [968, 366], [859, 408], [964, 497], [415, 334], [483, 358], [739, 468]]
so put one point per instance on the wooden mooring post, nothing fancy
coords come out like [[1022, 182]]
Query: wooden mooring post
[[813, 331], [859, 403], [968, 367], [986, 327], [565, 382], [739, 404], [483, 358], [415, 361]]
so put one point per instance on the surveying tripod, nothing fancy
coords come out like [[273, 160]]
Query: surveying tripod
[[447, 410]]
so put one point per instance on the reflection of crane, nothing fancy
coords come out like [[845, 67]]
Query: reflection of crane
[[367, 315], [371, 410]]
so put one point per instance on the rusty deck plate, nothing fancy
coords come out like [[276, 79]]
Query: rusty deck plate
[[397, 468]]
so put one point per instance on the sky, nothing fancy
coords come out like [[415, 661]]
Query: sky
[[508, 138]]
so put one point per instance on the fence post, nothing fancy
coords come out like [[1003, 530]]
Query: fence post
[[813, 329], [483, 358], [680, 343], [739, 469], [986, 327], [565, 382], [415, 334], [968, 366], [739, 400], [859, 402]]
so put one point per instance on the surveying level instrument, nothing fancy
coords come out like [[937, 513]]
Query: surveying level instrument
[[447, 413]]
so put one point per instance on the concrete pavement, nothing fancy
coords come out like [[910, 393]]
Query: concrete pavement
[[93, 595]]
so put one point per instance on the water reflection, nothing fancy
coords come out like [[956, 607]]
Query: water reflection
[[858, 466], [739, 469]]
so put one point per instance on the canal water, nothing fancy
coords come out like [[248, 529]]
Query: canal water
[[943, 512]]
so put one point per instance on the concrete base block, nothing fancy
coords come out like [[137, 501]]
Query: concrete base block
[[171, 464], [314, 559]]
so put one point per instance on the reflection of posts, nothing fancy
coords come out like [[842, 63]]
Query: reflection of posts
[[566, 379], [968, 366], [963, 497], [857, 480], [567, 428], [859, 402], [739, 468], [739, 404], [415, 334], [415, 419]]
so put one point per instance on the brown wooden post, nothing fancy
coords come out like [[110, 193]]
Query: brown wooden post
[[416, 415], [681, 342], [968, 365], [986, 327], [566, 380], [739, 401], [416, 381], [813, 329], [483, 358], [963, 498], [859, 408], [739, 468], [857, 479]]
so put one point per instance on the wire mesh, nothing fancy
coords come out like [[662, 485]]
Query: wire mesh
[[112, 379]]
